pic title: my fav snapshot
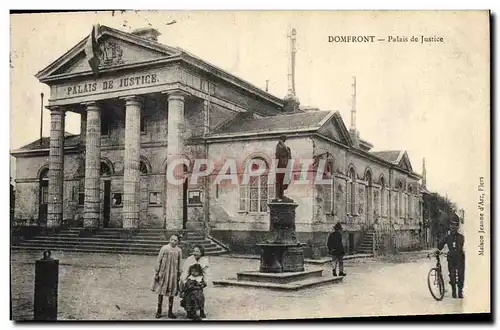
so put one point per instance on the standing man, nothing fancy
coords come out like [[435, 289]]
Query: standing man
[[283, 155], [336, 249], [455, 258]]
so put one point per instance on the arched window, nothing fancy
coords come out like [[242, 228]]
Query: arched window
[[255, 196], [105, 169], [382, 197], [143, 168], [351, 192], [399, 200], [368, 196], [410, 203]]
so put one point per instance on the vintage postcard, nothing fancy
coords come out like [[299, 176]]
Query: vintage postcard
[[175, 165]]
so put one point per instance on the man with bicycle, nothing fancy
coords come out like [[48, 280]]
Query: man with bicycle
[[455, 258]]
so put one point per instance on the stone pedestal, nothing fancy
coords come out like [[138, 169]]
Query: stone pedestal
[[282, 256], [282, 252]]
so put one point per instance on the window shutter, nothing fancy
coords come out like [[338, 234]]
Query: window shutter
[[243, 198]]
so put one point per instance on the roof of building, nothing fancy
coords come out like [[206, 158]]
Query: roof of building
[[70, 139], [291, 122], [168, 51], [391, 156]]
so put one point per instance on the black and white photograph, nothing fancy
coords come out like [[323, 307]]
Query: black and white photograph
[[182, 165]]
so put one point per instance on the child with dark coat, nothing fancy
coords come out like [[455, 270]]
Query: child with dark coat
[[194, 299], [336, 249]]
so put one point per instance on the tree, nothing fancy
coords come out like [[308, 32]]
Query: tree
[[438, 211]]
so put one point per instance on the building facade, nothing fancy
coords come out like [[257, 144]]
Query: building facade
[[150, 104]]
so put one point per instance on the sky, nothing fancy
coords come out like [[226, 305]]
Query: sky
[[430, 99]]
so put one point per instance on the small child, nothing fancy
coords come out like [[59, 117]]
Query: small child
[[167, 275], [194, 299]]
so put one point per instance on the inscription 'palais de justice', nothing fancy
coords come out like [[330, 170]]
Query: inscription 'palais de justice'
[[147, 79]]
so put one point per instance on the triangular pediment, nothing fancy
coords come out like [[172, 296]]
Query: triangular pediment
[[404, 162], [335, 129], [117, 49]]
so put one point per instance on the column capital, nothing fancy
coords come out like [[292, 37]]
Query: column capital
[[91, 106], [132, 100], [55, 109], [176, 94]]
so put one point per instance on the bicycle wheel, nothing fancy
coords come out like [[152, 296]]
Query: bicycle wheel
[[436, 284]]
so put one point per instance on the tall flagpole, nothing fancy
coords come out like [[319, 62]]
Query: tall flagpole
[[41, 117]]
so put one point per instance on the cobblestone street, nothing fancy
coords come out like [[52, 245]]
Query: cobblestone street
[[116, 287]]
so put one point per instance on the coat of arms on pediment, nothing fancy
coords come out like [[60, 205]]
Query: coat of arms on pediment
[[111, 54]]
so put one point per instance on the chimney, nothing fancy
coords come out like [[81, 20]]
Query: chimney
[[147, 33], [352, 130], [291, 101]]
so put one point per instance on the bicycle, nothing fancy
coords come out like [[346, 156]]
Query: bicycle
[[435, 277]]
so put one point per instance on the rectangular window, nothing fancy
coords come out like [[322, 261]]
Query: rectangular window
[[116, 199], [194, 197], [105, 127], [143, 124], [81, 199], [154, 198]]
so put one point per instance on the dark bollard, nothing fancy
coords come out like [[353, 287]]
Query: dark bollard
[[46, 283]]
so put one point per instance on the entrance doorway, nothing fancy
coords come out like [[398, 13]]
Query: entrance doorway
[[351, 243], [43, 197], [107, 204], [106, 172]]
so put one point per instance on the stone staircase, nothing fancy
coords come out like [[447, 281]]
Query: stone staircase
[[143, 242], [366, 247]]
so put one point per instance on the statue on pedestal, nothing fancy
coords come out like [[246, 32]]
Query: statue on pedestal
[[282, 155]]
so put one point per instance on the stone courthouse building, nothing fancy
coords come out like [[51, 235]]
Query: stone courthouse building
[[146, 103]]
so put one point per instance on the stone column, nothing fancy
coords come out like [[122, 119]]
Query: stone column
[[56, 168], [131, 175], [175, 146], [91, 209]]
